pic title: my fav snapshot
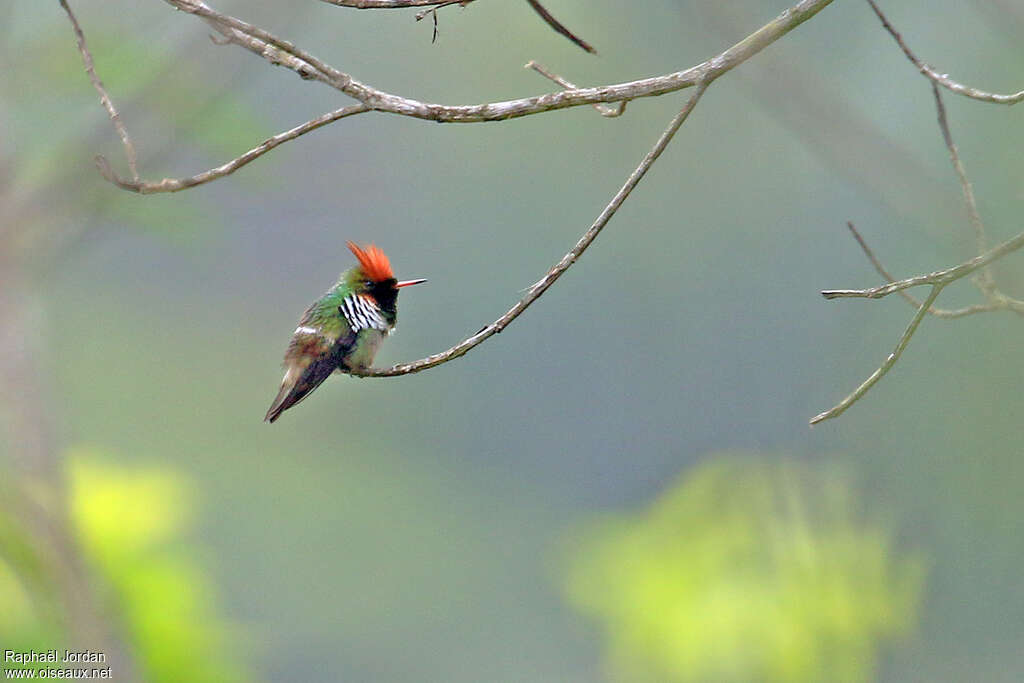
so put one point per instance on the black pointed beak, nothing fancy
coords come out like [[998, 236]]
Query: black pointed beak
[[408, 283]]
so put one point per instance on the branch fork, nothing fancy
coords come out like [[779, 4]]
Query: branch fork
[[977, 268]]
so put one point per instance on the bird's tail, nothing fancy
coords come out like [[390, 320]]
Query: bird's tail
[[294, 389]]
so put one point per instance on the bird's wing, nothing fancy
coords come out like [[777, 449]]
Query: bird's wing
[[313, 354], [317, 336]]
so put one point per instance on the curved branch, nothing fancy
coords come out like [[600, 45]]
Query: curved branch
[[538, 288], [942, 79], [178, 184], [283, 53]]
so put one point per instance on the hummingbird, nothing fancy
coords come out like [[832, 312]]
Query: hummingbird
[[343, 329]]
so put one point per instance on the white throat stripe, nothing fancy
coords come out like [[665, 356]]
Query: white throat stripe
[[361, 314]]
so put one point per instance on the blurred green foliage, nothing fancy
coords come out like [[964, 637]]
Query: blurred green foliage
[[29, 617], [746, 570], [132, 523]]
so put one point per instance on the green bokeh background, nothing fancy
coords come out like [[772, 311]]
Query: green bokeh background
[[431, 527]]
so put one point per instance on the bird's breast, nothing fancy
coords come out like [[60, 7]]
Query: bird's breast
[[365, 349]]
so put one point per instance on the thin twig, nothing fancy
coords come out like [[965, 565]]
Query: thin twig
[[435, 5], [886, 365], [438, 4], [943, 79], [432, 11], [178, 184], [108, 104], [934, 310], [538, 288], [605, 110], [559, 27], [939, 277], [984, 279]]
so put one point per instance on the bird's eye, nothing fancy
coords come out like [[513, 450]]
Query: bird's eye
[[368, 283]]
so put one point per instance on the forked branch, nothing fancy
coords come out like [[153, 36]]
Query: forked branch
[[996, 300], [278, 51], [938, 277], [909, 298], [309, 67]]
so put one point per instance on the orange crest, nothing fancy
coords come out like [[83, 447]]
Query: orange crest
[[373, 262]]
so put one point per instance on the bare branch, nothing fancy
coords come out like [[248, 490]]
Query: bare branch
[[108, 104], [281, 52], [943, 79], [984, 279], [886, 365], [937, 312], [939, 277], [997, 300], [538, 288], [602, 109], [178, 184]]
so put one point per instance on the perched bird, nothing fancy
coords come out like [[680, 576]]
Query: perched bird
[[343, 329]]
